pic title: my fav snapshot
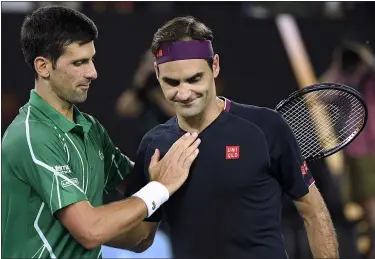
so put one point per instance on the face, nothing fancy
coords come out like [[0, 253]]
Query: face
[[188, 85], [73, 72]]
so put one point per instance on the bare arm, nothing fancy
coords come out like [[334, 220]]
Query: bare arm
[[139, 239], [93, 227], [318, 224]]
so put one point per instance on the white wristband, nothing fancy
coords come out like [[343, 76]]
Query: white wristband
[[154, 194]]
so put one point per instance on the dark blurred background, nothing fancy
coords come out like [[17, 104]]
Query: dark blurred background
[[255, 69]]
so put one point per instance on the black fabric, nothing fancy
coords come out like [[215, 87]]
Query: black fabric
[[231, 208]]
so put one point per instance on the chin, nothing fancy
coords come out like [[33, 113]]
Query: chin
[[79, 99], [189, 112]]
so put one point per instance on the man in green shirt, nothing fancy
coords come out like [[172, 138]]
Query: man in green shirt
[[58, 163]]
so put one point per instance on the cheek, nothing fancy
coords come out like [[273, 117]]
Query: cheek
[[169, 92], [58, 77], [72, 76], [63, 75], [204, 87]]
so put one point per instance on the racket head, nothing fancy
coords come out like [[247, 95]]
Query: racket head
[[346, 101]]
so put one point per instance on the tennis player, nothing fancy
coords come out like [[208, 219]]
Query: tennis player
[[230, 206], [57, 163]]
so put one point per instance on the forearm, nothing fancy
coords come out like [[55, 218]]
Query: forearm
[[116, 219], [321, 235], [137, 240], [93, 227]]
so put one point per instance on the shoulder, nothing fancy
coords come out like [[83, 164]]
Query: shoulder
[[268, 120], [28, 126], [27, 134], [259, 115], [157, 132]]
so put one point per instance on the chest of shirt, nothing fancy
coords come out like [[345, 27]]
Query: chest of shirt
[[229, 158], [85, 162], [227, 176]]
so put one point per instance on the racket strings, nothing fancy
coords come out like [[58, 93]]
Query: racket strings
[[321, 120], [336, 116]]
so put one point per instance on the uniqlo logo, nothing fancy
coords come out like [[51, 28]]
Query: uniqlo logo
[[232, 152]]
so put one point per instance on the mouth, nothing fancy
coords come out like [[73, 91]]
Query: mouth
[[187, 103], [84, 87]]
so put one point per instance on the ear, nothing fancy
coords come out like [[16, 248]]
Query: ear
[[216, 66], [156, 70], [42, 66]]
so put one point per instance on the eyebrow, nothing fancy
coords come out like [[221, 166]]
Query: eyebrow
[[168, 79]]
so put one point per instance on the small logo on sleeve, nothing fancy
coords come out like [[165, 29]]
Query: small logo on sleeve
[[66, 183], [232, 152], [101, 156], [160, 53], [304, 168], [62, 169]]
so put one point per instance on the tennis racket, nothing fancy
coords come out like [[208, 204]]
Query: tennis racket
[[324, 118]]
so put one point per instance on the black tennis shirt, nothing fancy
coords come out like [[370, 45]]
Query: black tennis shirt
[[231, 204]]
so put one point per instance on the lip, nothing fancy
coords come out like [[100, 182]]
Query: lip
[[84, 87], [187, 104]]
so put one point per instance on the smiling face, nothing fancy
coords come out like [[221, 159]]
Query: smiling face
[[189, 85], [74, 70]]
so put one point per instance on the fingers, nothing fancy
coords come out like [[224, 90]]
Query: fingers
[[155, 158], [184, 146], [188, 151], [172, 150], [180, 145], [190, 159]]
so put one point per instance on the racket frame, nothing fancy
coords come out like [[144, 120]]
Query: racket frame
[[328, 86]]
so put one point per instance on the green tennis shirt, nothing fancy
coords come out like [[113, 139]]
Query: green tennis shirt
[[48, 163]]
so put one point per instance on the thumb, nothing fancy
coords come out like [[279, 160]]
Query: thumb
[[155, 158]]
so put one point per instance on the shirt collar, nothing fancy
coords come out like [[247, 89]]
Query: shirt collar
[[57, 118]]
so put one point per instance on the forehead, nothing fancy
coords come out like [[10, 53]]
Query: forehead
[[183, 68], [75, 50]]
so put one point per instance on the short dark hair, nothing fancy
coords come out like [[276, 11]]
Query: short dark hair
[[47, 31], [181, 28]]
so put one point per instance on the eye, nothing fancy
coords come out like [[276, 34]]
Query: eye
[[171, 82], [78, 63], [194, 79]]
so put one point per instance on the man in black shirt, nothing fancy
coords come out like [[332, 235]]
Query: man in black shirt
[[230, 206]]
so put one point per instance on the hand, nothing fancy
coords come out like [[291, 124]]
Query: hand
[[173, 170]]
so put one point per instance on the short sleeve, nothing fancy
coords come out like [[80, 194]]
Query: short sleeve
[[140, 176], [290, 168], [41, 161], [116, 165]]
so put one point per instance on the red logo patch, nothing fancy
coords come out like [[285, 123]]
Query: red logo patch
[[232, 152], [304, 168], [160, 53]]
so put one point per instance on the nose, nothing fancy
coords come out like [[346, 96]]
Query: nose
[[183, 93], [91, 72]]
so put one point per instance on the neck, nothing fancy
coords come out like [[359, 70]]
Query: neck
[[47, 94], [200, 122]]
